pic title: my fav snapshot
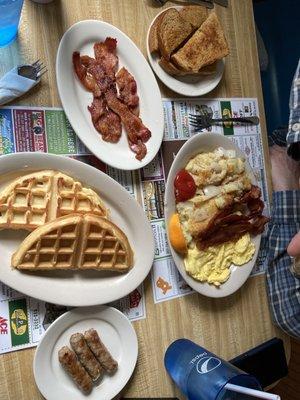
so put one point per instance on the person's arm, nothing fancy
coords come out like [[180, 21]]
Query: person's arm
[[293, 136], [282, 285], [294, 246]]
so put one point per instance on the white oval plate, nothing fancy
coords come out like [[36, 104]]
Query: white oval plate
[[116, 332], [200, 143], [185, 85], [73, 288], [75, 98]]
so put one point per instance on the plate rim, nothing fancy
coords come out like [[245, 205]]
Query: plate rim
[[147, 229], [97, 309], [198, 286], [137, 164]]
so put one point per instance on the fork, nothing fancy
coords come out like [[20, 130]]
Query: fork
[[32, 71], [205, 120], [206, 3]]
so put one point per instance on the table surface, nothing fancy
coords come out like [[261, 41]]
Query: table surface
[[227, 327]]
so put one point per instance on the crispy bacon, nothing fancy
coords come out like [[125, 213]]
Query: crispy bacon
[[107, 123], [229, 225], [139, 148], [86, 78], [104, 81], [107, 110], [97, 108], [136, 130], [87, 61], [128, 90], [105, 55]]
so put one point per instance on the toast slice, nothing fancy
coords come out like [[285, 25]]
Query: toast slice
[[153, 35], [171, 69], [195, 15], [172, 31], [207, 45]]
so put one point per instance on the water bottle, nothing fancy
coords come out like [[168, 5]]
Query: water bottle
[[201, 375]]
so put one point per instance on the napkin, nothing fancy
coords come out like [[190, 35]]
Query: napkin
[[13, 85]]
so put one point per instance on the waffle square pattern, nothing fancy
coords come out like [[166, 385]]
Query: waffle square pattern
[[75, 241], [35, 199]]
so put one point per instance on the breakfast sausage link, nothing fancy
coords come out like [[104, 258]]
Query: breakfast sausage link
[[100, 351], [85, 356], [69, 361]]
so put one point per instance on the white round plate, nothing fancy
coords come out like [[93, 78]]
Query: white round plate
[[116, 332], [201, 143], [75, 98], [82, 288], [185, 85]]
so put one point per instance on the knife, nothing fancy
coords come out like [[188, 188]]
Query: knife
[[223, 3]]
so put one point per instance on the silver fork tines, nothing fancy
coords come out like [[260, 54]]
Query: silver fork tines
[[33, 71], [205, 120]]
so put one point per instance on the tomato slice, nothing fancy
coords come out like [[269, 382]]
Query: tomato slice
[[184, 186]]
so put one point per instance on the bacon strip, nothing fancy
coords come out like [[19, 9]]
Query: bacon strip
[[106, 122], [137, 133], [136, 130], [105, 55], [85, 77], [128, 90], [228, 226]]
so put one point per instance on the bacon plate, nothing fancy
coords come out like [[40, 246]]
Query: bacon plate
[[128, 90], [98, 75]]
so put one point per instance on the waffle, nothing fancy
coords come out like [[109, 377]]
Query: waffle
[[35, 199], [78, 242]]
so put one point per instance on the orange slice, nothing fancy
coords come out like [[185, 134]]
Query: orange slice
[[176, 235]]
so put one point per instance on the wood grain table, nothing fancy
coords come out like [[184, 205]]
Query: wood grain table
[[227, 326]]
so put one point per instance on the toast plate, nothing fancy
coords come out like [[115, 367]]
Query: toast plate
[[116, 332], [202, 143], [82, 288], [185, 85], [75, 98]]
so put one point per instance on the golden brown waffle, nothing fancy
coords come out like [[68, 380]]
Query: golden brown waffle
[[32, 200], [75, 242]]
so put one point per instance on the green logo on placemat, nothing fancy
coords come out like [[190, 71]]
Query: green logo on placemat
[[226, 113], [18, 322]]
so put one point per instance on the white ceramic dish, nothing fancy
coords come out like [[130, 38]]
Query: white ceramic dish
[[185, 85], [75, 98], [69, 287], [116, 332], [200, 143]]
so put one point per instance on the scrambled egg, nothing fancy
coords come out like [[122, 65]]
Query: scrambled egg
[[211, 168], [212, 265]]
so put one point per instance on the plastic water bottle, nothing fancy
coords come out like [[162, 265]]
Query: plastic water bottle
[[201, 375], [10, 12]]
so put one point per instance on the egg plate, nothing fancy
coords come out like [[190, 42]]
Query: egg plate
[[206, 142]]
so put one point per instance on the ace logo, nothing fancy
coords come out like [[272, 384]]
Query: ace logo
[[3, 326]]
